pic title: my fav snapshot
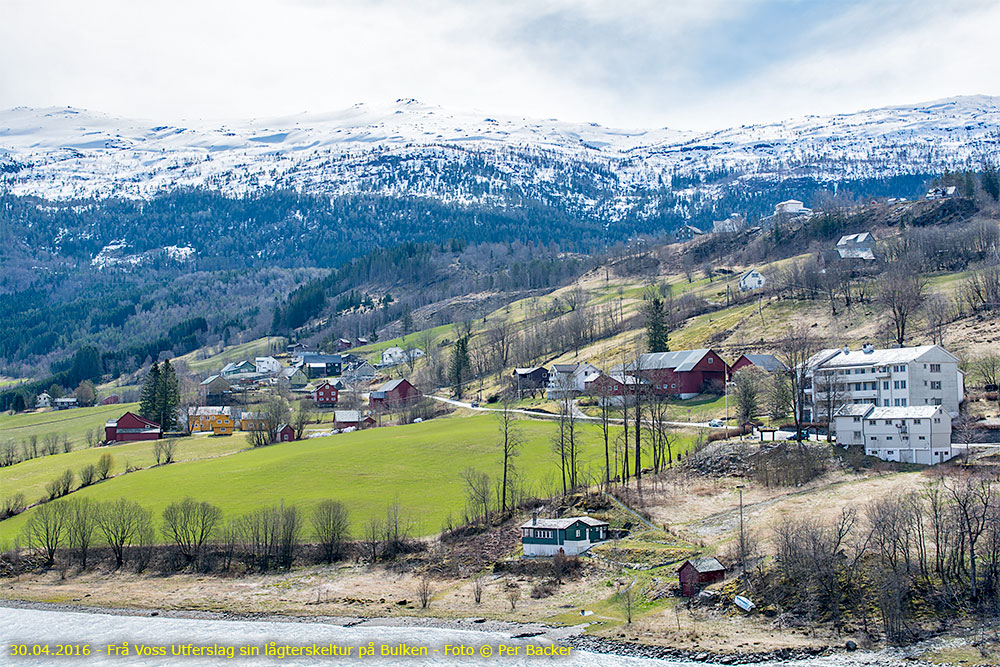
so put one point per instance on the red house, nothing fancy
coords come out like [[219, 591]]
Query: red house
[[394, 394], [684, 374], [325, 395], [766, 362], [285, 433], [698, 572], [130, 427], [113, 399]]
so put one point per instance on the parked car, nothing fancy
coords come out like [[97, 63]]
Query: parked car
[[716, 423]]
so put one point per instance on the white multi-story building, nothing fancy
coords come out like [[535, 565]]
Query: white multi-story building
[[896, 378], [570, 379], [915, 434]]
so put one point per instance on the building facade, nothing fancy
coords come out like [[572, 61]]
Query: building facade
[[926, 375], [570, 536], [918, 434]]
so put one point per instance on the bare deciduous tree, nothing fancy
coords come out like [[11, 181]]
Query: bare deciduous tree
[[190, 525], [901, 292], [331, 527]]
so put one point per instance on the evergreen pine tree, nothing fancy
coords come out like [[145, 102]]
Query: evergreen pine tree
[[167, 397], [459, 364], [656, 325], [147, 400], [991, 181]]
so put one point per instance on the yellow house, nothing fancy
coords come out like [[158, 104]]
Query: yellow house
[[222, 424], [200, 419], [252, 421]]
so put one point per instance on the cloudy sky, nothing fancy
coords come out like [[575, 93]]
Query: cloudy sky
[[695, 64]]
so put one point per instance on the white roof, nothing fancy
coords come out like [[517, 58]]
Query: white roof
[[562, 523], [863, 237], [835, 357], [855, 410], [909, 412], [751, 271], [347, 416]]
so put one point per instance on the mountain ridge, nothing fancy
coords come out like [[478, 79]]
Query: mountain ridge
[[412, 149]]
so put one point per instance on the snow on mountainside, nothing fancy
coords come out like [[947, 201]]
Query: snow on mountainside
[[411, 149]]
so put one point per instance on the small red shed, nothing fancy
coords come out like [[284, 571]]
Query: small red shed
[[113, 399], [698, 572], [325, 395], [130, 427], [285, 433]]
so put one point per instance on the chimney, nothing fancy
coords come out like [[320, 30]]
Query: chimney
[[868, 348], [847, 350], [534, 518]]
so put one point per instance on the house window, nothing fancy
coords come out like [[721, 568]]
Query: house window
[[936, 401], [710, 360], [937, 420], [890, 452], [857, 419], [888, 422], [899, 384], [920, 437], [888, 437], [936, 385], [935, 368], [885, 385], [873, 438], [857, 436], [886, 403]]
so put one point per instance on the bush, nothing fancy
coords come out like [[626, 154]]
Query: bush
[[104, 465], [88, 474], [12, 505], [542, 589]]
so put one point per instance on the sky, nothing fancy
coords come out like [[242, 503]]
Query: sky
[[692, 64]]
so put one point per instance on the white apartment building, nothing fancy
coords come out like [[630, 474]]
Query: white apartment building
[[926, 375], [916, 434]]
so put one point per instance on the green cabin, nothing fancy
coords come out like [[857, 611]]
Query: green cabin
[[570, 536]]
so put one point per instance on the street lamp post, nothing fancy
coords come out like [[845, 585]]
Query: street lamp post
[[743, 556]]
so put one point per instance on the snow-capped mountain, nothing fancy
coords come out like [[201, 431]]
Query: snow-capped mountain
[[411, 149]]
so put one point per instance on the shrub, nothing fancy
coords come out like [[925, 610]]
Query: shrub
[[104, 465], [12, 505], [88, 474]]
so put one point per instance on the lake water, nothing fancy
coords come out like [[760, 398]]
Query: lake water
[[99, 631]]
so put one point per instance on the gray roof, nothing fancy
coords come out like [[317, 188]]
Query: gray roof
[[908, 412], [212, 378], [347, 416], [703, 565], [768, 362], [390, 385], [679, 361], [854, 410], [835, 357], [562, 523]]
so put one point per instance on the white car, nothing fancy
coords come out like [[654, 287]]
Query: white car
[[716, 423]]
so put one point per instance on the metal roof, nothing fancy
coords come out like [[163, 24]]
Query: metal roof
[[768, 362], [562, 523], [680, 361], [703, 565], [909, 412], [835, 358]]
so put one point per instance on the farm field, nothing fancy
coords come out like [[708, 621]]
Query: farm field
[[74, 423], [420, 465], [30, 477]]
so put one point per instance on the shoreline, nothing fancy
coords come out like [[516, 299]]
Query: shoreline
[[574, 635]]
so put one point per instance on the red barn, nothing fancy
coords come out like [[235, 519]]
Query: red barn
[[394, 394], [685, 373], [130, 427], [766, 362], [699, 572], [113, 399], [285, 433], [325, 395]]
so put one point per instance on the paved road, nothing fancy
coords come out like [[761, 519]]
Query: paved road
[[548, 415]]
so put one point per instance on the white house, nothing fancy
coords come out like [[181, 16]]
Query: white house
[[896, 377], [791, 207], [914, 434], [751, 280], [570, 379], [857, 246], [730, 225], [267, 365], [361, 371], [393, 356], [43, 400]]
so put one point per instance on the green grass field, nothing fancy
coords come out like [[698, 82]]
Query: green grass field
[[30, 477], [420, 464], [72, 423], [214, 363]]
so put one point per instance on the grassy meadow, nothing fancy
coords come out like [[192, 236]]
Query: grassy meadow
[[74, 423], [421, 465]]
